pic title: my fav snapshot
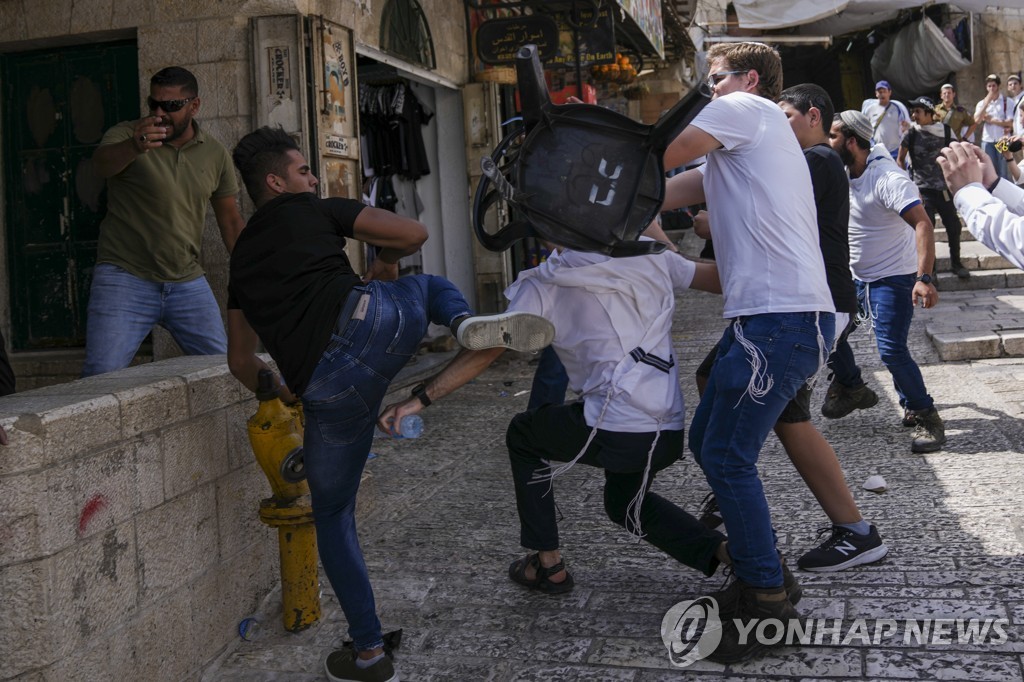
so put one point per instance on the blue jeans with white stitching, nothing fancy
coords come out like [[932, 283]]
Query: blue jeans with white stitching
[[341, 404], [731, 423]]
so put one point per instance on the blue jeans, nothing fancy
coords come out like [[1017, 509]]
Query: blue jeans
[[888, 304], [549, 381], [997, 159], [734, 418], [124, 308], [341, 404]]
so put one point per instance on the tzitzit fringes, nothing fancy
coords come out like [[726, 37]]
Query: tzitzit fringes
[[760, 382], [548, 473], [866, 313], [822, 353], [632, 522]]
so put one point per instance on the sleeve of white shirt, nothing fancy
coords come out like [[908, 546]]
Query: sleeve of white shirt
[[898, 192], [528, 299], [991, 222], [681, 270], [1011, 195], [730, 121]]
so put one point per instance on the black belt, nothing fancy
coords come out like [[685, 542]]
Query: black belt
[[348, 308]]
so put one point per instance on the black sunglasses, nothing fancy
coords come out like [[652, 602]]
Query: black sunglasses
[[168, 105]]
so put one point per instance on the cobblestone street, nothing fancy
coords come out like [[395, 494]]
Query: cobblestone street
[[439, 529]]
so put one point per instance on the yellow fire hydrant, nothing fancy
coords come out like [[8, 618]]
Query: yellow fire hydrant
[[275, 432]]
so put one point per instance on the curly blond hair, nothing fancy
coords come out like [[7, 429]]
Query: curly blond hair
[[757, 56]]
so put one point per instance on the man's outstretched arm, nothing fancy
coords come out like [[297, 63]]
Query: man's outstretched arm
[[466, 366]]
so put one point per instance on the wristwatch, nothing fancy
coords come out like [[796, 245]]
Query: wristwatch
[[421, 393], [925, 278]]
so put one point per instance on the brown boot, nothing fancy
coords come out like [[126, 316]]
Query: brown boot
[[930, 434], [754, 605]]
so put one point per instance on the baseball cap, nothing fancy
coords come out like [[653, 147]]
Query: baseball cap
[[993, 77], [923, 102], [859, 123], [883, 84]]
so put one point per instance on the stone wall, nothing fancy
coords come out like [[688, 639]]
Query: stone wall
[[130, 544]]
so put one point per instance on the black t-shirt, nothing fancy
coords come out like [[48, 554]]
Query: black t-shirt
[[289, 276], [832, 198]]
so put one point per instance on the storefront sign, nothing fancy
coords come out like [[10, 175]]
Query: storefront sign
[[497, 40], [280, 69], [596, 38], [337, 145]]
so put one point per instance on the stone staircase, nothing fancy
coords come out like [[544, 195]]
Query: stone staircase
[[981, 317]]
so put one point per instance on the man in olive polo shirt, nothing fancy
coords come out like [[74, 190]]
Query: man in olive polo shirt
[[161, 171]]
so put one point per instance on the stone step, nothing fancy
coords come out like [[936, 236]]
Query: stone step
[[1002, 278], [974, 255], [941, 236], [976, 325]]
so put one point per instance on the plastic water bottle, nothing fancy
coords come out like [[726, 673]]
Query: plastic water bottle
[[249, 629], [411, 426]]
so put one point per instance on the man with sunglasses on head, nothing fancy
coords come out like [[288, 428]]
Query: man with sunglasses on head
[[757, 186], [161, 171]]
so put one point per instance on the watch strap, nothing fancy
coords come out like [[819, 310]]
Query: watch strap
[[421, 392]]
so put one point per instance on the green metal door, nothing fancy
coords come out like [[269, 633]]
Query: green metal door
[[56, 106]]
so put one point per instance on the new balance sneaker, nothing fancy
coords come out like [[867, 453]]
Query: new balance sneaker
[[341, 666], [753, 605], [844, 549], [515, 330], [930, 434], [709, 514], [841, 401]]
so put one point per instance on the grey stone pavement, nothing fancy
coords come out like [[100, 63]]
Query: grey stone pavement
[[439, 528]]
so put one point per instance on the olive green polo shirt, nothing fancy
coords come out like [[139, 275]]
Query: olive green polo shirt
[[156, 206]]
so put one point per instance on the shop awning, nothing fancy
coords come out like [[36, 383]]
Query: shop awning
[[836, 17]]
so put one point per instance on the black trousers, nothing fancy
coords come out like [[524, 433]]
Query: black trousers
[[939, 201], [557, 433]]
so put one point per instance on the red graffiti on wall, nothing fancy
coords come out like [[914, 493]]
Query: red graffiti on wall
[[96, 504]]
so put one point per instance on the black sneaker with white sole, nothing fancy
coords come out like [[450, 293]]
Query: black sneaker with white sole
[[844, 549]]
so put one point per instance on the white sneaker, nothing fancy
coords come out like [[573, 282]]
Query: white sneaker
[[515, 330]]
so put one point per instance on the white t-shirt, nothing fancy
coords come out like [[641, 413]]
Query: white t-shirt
[[1000, 108], [1016, 101], [603, 310], [882, 244], [761, 209], [886, 121]]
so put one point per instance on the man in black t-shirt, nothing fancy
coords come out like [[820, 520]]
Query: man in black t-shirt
[[339, 339]]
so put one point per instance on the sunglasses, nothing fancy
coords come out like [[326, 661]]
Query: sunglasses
[[714, 79], [168, 105]]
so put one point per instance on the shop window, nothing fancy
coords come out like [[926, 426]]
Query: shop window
[[404, 33]]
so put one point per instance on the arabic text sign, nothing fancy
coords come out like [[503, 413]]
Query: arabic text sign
[[498, 40]]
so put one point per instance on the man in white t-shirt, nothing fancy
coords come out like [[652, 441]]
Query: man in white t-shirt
[[613, 334], [890, 120], [757, 185], [892, 254], [995, 115]]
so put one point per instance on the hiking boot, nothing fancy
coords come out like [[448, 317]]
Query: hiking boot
[[728, 599], [844, 549], [930, 434], [841, 401], [909, 418], [515, 330], [341, 666], [753, 604], [709, 515]]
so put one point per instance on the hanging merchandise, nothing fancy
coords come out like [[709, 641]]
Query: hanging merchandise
[[392, 119]]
